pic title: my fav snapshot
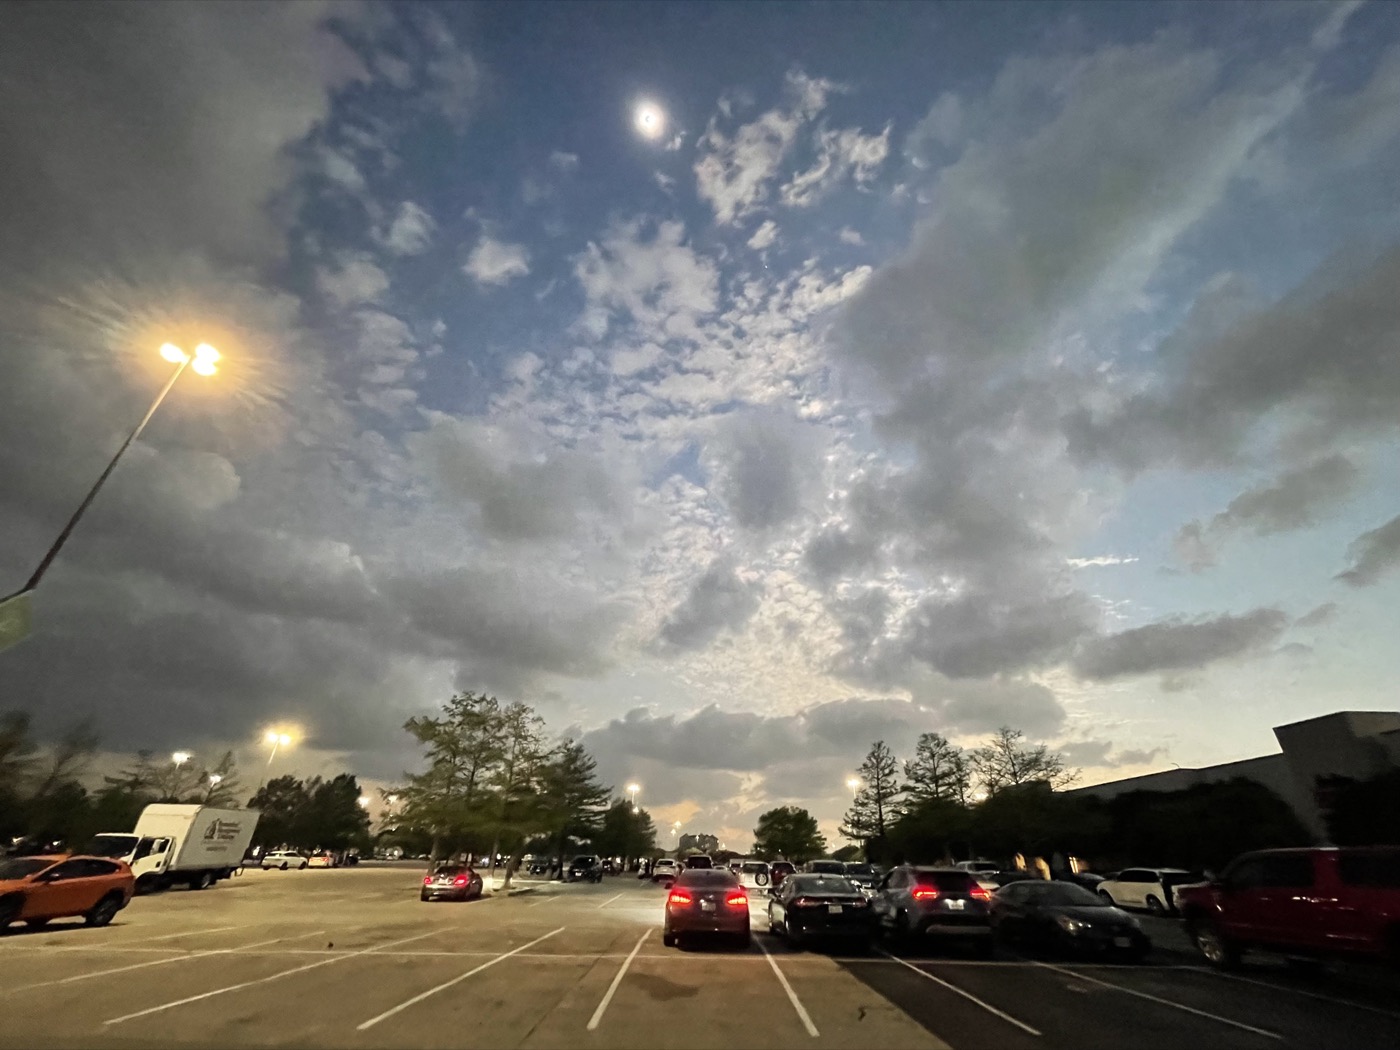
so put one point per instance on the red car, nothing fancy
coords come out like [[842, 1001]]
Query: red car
[[1304, 903], [36, 889], [706, 901]]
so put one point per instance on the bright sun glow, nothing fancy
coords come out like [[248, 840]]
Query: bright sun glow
[[650, 120]]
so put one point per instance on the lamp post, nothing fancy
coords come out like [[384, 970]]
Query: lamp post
[[276, 739], [853, 783], [205, 362], [632, 790]]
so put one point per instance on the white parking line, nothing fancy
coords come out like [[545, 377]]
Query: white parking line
[[1295, 991], [271, 977], [966, 995], [148, 940], [543, 900], [159, 962], [612, 988], [608, 901], [448, 984], [792, 996], [1165, 1002]]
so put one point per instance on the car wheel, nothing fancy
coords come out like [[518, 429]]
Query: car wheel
[[760, 879], [10, 908], [422, 896], [1219, 950], [1155, 906], [146, 884], [36, 924], [104, 911], [202, 881], [284, 866], [668, 938]]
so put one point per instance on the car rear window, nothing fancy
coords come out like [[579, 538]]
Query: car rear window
[[707, 877], [1371, 868], [449, 869], [22, 868], [826, 867], [946, 881], [823, 884], [754, 867]]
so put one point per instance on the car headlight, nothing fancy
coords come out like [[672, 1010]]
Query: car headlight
[[1069, 925]]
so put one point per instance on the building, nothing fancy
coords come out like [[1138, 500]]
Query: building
[[702, 843], [1354, 744]]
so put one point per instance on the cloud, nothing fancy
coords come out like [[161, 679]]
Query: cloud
[[849, 236], [1323, 613], [657, 282], [1373, 554], [718, 600], [839, 154], [732, 172], [1099, 561], [1291, 501], [1100, 754], [764, 236], [562, 161], [353, 281], [495, 263], [411, 232], [761, 464], [1178, 644], [835, 552]]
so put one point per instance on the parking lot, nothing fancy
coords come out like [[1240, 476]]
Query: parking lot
[[351, 957]]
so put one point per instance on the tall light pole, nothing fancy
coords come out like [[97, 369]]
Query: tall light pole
[[205, 362], [276, 739], [632, 790]]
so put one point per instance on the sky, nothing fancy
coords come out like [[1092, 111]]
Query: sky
[[737, 384]]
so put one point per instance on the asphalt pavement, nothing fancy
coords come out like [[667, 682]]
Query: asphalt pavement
[[352, 958]]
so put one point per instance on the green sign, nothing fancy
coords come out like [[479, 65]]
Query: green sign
[[15, 620]]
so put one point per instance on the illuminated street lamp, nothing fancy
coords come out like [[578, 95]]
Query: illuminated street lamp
[[277, 739], [214, 779], [632, 790], [364, 802], [180, 757], [853, 783], [205, 362]]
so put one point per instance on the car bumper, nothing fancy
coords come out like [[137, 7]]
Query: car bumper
[[1106, 941], [945, 927], [718, 922], [455, 893]]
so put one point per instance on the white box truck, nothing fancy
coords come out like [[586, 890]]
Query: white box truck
[[172, 843]]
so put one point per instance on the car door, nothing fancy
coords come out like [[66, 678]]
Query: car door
[[56, 892], [883, 905], [1009, 909], [777, 904], [1128, 889], [1270, 900]]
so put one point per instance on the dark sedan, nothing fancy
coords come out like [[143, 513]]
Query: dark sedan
[[779, 870], [586, 867], [1063, 916], [706, 901], [865, 876], [820, 907], [451, 882], [917, 904]]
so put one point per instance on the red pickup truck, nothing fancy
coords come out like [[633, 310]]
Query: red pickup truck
[[1325, 902]]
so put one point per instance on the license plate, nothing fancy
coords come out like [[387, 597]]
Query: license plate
[[834, 909], [707, 905], [956, 905], [1122, 942]]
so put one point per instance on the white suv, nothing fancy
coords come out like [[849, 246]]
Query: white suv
[[664, 869], [1149, 888], [283, 859]]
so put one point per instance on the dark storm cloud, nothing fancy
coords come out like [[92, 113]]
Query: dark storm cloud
[[761, 463], [835, 552], [1373, 554], [1178, 644], [718, 600]]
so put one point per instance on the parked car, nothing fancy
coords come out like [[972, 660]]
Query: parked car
[[1150, 888], [778, 870], [706, 901], [917, 902], [698, 861], [816, 907], [824, 867], [34, 890], [753, 873], [282, 859], [865, 876], [1067, 917], [1323, 902], [451, 882], [323, 859], [665, 870], [586, 867], [981, 865]]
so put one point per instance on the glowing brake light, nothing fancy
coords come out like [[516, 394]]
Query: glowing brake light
[[979, 893], [678, 897], [737, 900], [427, 880], [460, 880], [925, 893]]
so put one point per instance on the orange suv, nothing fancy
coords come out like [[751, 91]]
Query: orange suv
[[34, 890]]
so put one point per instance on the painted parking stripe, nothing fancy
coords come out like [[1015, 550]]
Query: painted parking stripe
[[269, 978], [186, 957], [965, 994], [448, 984], [147, 940], [802, 1014], [1286, 990], [544, 899], [1164, 1002], [612, 988], [608, 901]]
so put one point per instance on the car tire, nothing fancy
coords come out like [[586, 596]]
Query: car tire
[[283, 866], [760, 878], [202, 881], [1155, 906], [668, 938], [36, 924], [743, 941], [1219, 950], [147, 884], [10, 908], [104, 911], [422, 896]]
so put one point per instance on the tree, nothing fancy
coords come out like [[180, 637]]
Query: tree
[[930, 830], [938, 770], [876, 803], [221, 786], [571, 796], [515, 782], [331, 816], [846, 854], [1007, 762], [281, 802], [788, 832], [625, 832]]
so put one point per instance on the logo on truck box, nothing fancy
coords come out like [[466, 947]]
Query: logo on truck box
[[222, 830]]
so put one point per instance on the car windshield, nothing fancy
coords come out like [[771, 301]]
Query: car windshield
[[21, 867], [1067, 894], [827, 867], [824, 884], [111, 845]]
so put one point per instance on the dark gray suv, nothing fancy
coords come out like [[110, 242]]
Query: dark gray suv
[[916, 903]]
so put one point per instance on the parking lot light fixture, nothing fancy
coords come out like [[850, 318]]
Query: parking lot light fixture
[[180, 757]]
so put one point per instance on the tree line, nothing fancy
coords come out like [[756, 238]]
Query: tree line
[[493, 785]]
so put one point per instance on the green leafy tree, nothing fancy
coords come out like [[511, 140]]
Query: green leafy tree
[[571, 797], [930, 830], [281, 802], [1007, 761], [626, 831], [331, 816], [938, 770], [788, 832], [847, 854], [876, 804], [515, 782]]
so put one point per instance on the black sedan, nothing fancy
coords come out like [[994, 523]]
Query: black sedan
[[1063, 916], [706, 901], [451, 882], [807, 908]]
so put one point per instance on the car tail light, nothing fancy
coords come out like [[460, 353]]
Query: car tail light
[[925, 893], [427, 880], [678, 897], [802, 902], [979, 893], [460, 880], [861, 903], [737, 900]]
